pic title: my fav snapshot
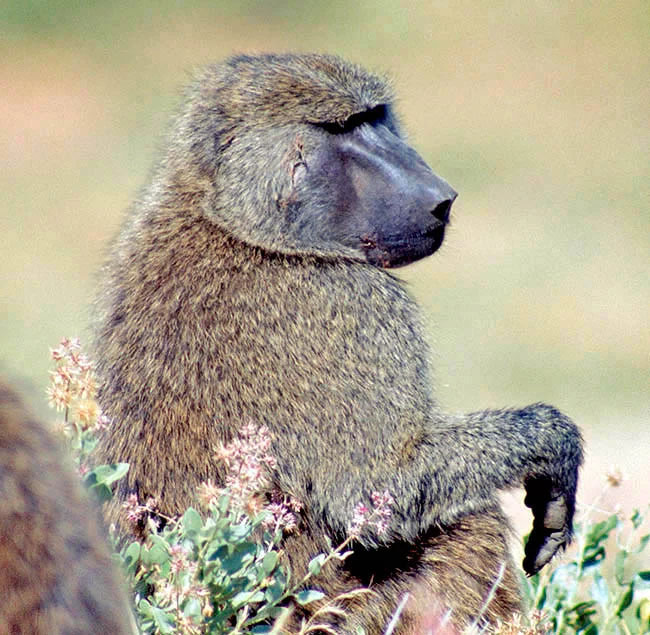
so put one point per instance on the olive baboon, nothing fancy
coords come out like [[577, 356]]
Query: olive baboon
[[56, 574], [250, 283]]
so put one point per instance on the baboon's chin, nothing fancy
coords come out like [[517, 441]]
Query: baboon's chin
[[392, 257]]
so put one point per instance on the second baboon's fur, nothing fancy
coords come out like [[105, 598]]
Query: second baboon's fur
[[249, 284], [56, 574]]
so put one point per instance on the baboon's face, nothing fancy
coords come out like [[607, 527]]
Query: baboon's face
[[373, 192]]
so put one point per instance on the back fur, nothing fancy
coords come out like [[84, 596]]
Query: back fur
[[56, 574]]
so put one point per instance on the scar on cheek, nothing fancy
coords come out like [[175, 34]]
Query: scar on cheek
[[298, 162]]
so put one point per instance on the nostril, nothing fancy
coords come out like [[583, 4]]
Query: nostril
[[442, 210]]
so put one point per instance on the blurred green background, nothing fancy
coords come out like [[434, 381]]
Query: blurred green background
[[536, 112]]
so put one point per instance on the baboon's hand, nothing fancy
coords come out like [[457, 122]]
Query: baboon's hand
[[552, 523]]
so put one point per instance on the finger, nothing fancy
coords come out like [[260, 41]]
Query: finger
[[541, 547], [555, 514]]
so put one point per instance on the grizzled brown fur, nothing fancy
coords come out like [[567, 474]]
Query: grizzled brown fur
[[236, 292], [56, 574]]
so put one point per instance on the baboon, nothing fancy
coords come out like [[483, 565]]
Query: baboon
[[56, 574], [252, 281]]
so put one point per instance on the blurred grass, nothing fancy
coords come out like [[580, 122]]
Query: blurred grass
[[537, 114]]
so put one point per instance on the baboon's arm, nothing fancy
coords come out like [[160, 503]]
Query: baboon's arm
[[464, 459], [537, 447]]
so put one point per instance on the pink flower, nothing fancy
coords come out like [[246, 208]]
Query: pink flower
[[179, 560], [379, 517], [208, 493], [132, 509], [248, 460], [282, 512], [134, 512], [359, 519]]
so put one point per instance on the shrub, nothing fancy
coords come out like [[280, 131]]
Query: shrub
[[222, 571]]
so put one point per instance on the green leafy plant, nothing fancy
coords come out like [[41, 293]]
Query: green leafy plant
[[216, 575], [215, 572], [221, 569], [597, 587], [72, 391]]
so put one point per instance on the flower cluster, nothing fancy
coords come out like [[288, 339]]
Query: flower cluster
[[535, 623], [73, 378], [615, 476], [209, 494], [282, 513], [248, 460], [72, 391], [135, 513], [195, 571], [378, 516], [73, 386], [182, 585]]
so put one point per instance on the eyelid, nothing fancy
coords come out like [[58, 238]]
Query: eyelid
[[374, 116]]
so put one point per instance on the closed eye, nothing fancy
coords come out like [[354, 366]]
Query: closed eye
[[374, 116]]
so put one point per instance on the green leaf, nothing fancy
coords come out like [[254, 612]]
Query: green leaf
[[89, 443], [626, 600], [236, 533], [579, 616], [593, 557], [583, 608], [269, 562], [274, 592], [100, 479], [247, 597], [240, 559], [619, 566], [316, 564], [600, 590], [154, 555], [600, 531], [643, 543], [643, 611], [165, 622], [132, 557], [644, 575], [216, 550], [542, 599], [108, 474], [192, 608], [156, 539], [265, 612], [192, 521], [223, 504], [309, 595]]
